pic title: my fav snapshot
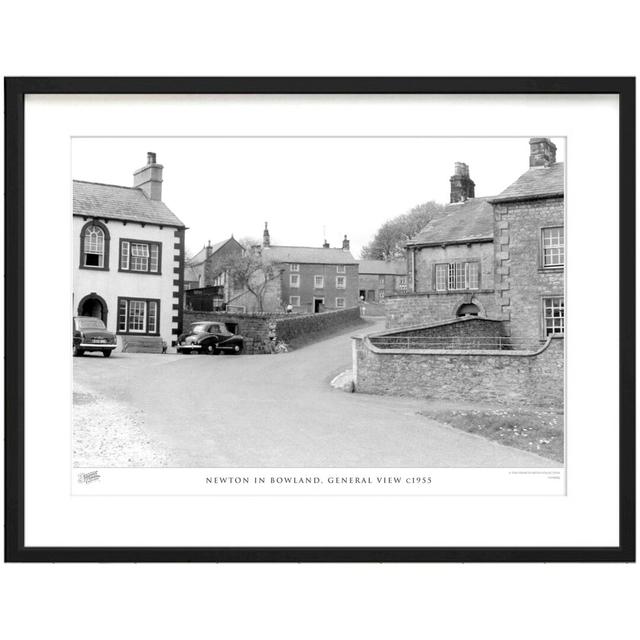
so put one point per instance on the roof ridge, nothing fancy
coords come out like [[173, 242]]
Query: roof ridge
[[107, 184]]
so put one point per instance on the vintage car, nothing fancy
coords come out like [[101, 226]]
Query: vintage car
[[90, 334], [209, 337]]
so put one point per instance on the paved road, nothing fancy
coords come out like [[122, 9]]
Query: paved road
[[280, 411]]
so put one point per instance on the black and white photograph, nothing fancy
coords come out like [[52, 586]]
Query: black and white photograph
[[318, 302]]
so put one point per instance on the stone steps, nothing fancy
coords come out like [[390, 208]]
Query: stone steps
[[141, 344]]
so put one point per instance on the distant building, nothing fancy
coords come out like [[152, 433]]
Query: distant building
[[310, 279], [129, 259], [378, 279], [207, 283]]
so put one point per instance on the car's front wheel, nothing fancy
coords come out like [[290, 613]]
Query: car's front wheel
[[77, 352], [106, 353], [237, 348]]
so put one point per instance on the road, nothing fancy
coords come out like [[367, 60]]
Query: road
[[280, 411]]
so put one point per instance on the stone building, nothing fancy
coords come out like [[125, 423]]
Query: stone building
[[313, 279], [529, 247], [129, 259], [378, 279], [499, 257]]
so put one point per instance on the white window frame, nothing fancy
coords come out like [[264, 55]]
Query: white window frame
[[319, 279], [552, 244], [340, 303], [149, 253], [457, 276], [294, 301], [294, 281], [341, 282], [556, 322], [294, 267], [340, 268]]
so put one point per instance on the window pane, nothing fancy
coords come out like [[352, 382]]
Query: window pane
[[153, 316], [553, 247], [154, 251], [139, 257], [472, 275], [441, 277], [137, 315], [553, 316], [122, 315], [124, 255]]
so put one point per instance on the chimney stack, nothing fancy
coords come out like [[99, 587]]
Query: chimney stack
[[325, 245], [462, 186], [266, 239], [543, 152], [345, 243], [149, 178]]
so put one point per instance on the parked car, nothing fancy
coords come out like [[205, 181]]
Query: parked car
[[209, 337], [90, 334]]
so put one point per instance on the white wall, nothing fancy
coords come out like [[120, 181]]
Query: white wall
[[113, 283]]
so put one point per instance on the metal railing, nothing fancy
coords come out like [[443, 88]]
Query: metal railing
[[490, 343]]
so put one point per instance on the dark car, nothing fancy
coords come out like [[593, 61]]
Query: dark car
[[209, 337], [90, 334]]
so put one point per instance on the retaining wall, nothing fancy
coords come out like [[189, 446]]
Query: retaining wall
[[526, 377]]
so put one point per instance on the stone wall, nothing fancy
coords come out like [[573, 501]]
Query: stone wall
[[533, 378], [521, 280], [258, 328], [303, 327], [424, 308], [472, 332]]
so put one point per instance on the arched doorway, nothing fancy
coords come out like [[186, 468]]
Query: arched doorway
[[468, 309], [93, 306]]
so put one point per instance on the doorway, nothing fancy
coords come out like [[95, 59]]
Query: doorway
[[93, 306], [317, 304]]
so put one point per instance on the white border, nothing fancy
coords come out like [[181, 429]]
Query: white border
[[587, 516]]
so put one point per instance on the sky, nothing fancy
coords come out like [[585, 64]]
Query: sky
[[307, 189]]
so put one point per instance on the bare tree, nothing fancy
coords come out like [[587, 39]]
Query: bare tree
[[251, 271]]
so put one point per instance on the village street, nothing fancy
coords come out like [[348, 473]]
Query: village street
[[270, 411]]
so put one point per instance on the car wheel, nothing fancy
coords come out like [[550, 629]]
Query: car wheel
[[209, 349], [237, 348], [106, 353], [77, 352]]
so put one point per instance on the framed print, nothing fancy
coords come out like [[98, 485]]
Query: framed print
[[320, 319]]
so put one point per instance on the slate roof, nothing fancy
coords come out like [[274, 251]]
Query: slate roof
[[383, 267], [537, 182], [308, 255], [201, 256], [468, 221], [96, 200]]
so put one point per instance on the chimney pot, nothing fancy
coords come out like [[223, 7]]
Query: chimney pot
[[151, 157], [345, 243]]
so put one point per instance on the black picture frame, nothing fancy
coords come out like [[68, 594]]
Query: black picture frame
[[15, 91]]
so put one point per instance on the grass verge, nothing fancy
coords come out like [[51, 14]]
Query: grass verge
[[537, 430]]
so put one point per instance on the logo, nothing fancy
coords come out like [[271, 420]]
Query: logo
[[86, 478]]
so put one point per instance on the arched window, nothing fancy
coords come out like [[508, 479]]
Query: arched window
[[94, 246]]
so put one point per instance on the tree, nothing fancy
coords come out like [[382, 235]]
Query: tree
[[251, 271], [390, 239]]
